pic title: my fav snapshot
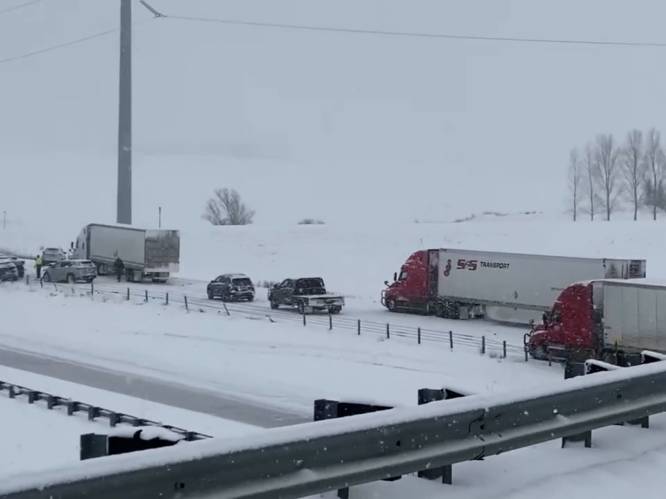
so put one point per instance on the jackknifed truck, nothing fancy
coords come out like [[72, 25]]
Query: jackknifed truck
[[146, 254], [507, 287], [605, 319]]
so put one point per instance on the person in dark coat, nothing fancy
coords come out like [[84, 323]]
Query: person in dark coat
[[119, 267]]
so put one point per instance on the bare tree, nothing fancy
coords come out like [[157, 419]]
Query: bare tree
[[575, 181], [654, 163], [633, 168], [606, 157], [590, 174], [227, 208]]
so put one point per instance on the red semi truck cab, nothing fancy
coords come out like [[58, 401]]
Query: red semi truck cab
[[410, 286], [569, 327]]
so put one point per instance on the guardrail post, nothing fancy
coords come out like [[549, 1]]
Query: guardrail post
[[504, 349], [305, 322], [388, 332], [187, 307], [330, 321], [12, 393], [451, 340], [27, 279], [483, 345], [93, 412], [146, 296], [425, 396], [41, 283], [32, 396], [333, 409], [92, 287], [358, 327], [128, 294], [418, 335], [167, 298], [226, 309]]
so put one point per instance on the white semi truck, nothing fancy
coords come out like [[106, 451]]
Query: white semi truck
[[146, 254], [508, 287]]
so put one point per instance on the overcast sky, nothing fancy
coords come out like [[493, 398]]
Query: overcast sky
[[410, 128]]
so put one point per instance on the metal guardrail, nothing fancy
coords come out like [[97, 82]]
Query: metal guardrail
[[93, 412], [316, 457], [388, 330]]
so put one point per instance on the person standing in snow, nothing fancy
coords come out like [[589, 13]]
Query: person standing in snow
[[38, 266], [119, 267]]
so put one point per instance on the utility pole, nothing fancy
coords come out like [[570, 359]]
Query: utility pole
[[4, 219], [159, 217], [124, 207]]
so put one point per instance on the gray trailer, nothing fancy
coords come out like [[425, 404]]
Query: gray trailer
[[508, 287], [147, 254]]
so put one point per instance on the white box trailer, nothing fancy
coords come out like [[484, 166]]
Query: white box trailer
[[633, 314], [509, 287], [151, 254]]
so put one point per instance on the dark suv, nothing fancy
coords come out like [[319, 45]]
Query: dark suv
[[231, 287]]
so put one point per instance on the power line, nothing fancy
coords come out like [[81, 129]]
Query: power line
[[69, 43], [19, 6], [423, 35], [58, 46]]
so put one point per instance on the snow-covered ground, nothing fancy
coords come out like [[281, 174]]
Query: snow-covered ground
[[281, 364], [37, 439]]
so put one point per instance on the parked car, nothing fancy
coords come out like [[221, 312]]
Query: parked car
[[19, 264], [8, 271], [231, 287], [52, 255], [70, 271], [307, 294]]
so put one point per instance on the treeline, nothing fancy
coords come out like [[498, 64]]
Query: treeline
[[606, 175]]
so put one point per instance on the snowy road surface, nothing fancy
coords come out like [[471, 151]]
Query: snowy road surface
[[152, 389]]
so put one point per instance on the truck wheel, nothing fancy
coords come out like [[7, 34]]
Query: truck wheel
[[71, 279], [335, 310], [390, 304], [437, 309], [47, 277], [274, 306]]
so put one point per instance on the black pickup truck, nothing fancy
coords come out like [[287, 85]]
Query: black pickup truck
[[307, 294]]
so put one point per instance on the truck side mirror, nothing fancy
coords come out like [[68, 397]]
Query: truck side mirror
[[395, 276], [386, 283]]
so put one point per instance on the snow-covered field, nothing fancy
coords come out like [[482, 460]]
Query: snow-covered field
[[281, 364]]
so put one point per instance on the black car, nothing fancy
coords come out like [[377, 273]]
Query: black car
[[8, 271], [231, 287]]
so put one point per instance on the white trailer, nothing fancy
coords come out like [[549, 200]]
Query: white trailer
[[519, 287], [634, 314], [509, 287], [151, 254]]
